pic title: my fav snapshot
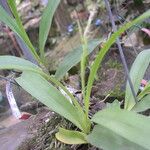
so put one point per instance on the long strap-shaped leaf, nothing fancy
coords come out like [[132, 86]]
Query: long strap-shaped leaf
[[30, 54], [42, 90], [103, 52], [45, 24], [124, 130], [12, 62], [136, 73], [12, 24], [120, 50], [73, 58], [12, 5]]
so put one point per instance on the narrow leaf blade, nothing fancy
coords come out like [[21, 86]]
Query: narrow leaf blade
[[45, 24], [12, 62], [97, 62], [12, 24], [42, 90], [12, 5], [73, 58]]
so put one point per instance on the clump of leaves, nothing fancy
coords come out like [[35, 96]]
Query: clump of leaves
[[115, 128]]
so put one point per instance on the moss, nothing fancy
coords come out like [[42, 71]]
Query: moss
[[114, 64], [117, 92]]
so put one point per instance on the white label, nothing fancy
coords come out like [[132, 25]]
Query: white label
[[12, 102]]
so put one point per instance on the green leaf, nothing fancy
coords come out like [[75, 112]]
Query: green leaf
[[115, 103], [73, 58], [42, 90], [12, 62], [137, 72], [108, 140], [13, 7], [132, 128], [145, 91], [45, 24], [71, 137], [12, 24], [97, 62], [4, 17], [143, 104]]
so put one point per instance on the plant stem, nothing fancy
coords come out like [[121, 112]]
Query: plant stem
[[87, 123], [83, 62]]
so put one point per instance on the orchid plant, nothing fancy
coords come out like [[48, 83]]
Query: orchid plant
[[114, 128]]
